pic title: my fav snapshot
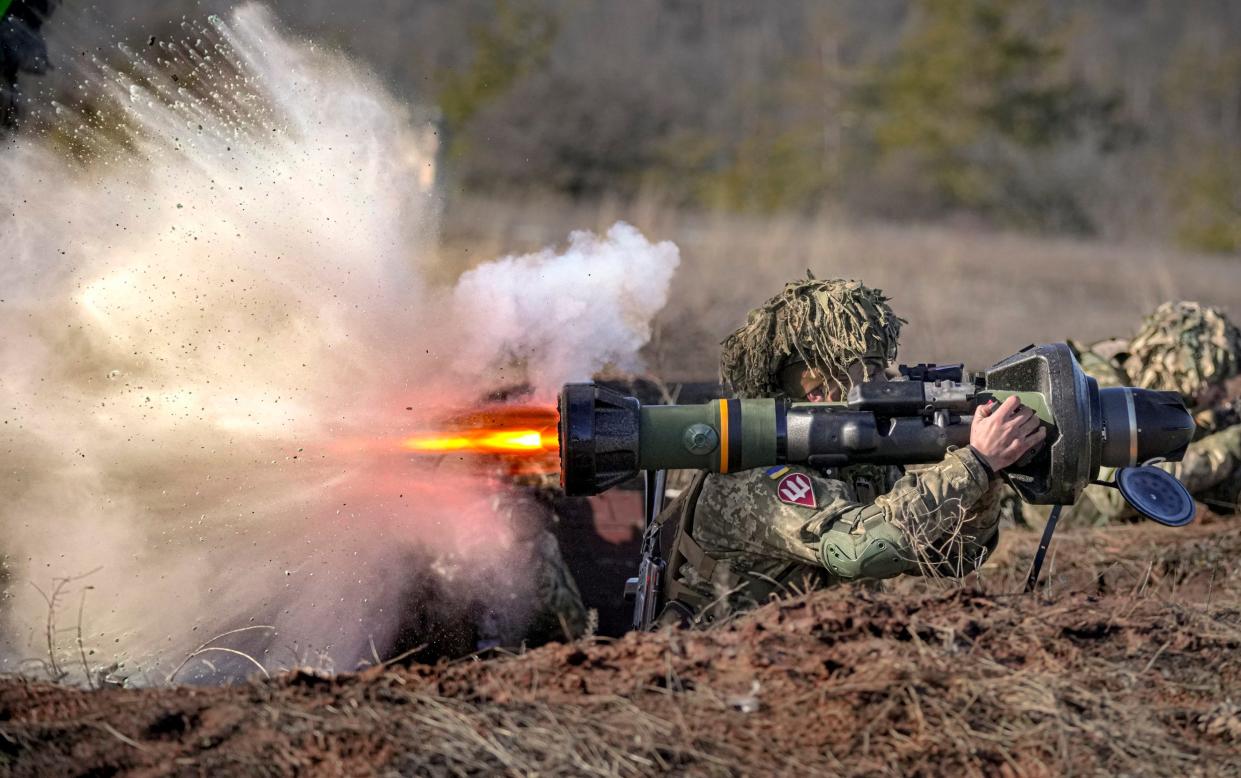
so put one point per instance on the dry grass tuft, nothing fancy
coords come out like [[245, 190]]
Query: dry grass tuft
[[1126, 664]]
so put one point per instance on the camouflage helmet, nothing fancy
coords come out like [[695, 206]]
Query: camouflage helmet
[[1184, 347], [829, 325]]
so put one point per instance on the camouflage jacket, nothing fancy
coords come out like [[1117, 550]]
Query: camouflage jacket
[[750, 538], [1211, 469]]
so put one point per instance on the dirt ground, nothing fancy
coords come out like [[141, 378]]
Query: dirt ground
[[1125, 662]]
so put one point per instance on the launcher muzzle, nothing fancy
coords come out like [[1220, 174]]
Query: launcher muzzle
[[607, 438]]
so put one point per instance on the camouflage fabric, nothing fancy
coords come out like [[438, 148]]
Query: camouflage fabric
[[559, 612], [827, 324], [1099, 364], [555, 608], [1184, 347], [1105, 362], [1211, 471], [939, 520], [737, 542]]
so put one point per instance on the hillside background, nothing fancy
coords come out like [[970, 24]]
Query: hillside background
[[1009, 170]]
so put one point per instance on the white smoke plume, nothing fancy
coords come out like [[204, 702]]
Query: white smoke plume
[[213, 319], [576, 312]]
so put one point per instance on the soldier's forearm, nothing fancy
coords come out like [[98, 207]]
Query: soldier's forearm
[[938, 518], [937, 495], [1209, 461]]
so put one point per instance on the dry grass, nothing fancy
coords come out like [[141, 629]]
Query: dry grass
[[1129, 668], [1122, 664], [968, 294]]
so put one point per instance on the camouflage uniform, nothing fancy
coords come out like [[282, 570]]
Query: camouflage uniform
[[736, 542], [1184, 347], [559, 612]]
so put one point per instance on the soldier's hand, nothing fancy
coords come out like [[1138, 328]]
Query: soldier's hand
[[1001, 433]]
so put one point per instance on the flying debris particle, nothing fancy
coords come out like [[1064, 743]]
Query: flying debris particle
[[206, 315]]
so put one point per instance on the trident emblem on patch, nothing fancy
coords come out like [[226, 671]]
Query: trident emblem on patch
[[796, 489]]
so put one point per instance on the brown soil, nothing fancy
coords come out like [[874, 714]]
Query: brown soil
[[1125, 663]]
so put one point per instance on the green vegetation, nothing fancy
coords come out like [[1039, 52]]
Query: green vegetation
[[976, 88], [961, 115], [770, 170], [513, 42], [1208, 201], [1116, 119], [1202, 130]]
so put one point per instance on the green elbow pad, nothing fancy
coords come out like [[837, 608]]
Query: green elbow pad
[[876, 553]]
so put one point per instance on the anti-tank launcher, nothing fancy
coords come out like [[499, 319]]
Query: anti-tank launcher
[[607, 438]]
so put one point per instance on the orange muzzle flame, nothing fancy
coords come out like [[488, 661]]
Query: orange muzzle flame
[[493, 441], [526, 436]]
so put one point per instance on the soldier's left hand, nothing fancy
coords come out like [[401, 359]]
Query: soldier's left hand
[[1002, 433]]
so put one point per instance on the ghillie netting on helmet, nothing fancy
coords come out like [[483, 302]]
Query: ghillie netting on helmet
[[829, 325], [1184, 347]]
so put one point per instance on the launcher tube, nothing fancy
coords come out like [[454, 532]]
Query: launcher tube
[[606, 438], [724, 436]]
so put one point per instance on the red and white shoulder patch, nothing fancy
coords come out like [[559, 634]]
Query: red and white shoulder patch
[[796, 489]]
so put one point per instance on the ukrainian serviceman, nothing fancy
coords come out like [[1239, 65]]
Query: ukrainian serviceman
[[552, 608], [1192, 349], [737, 539]]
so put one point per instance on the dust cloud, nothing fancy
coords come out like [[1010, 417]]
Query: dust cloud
[[216, 328]]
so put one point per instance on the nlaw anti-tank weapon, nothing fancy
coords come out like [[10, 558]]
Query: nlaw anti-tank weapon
[[606, 438]]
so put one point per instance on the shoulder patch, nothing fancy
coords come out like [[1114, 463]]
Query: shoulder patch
[[796, 489], [777, 471]]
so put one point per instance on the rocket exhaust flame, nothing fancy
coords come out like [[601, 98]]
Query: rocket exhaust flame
[[486, 442], [180, 307], [525, 436]]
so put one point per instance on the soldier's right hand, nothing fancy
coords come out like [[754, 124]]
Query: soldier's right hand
[[1002, 432]]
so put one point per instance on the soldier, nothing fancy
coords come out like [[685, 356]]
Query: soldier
[[735, 540], [1192, 349], [559, 613]]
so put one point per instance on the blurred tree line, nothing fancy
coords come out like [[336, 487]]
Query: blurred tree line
[[1117, 118]]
